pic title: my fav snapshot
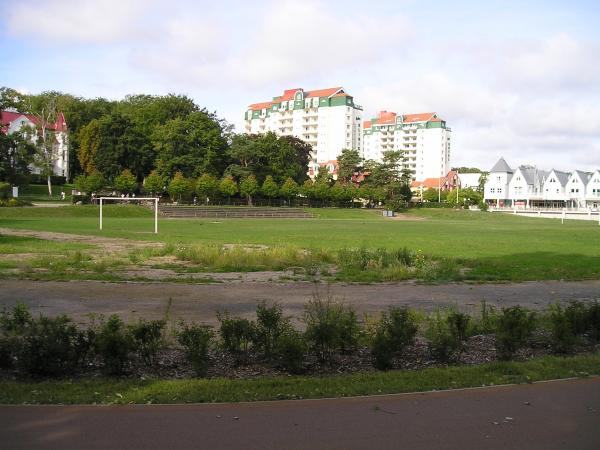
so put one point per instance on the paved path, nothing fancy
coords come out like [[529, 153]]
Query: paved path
[[199, 302], [555, 415]]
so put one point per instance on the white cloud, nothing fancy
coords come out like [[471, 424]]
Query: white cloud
[[290, 42], [96, 21]]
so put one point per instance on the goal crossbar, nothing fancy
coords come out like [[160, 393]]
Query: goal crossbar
[[128, 199]]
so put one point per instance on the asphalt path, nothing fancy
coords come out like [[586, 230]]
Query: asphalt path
[[551, 415], [200, 301]]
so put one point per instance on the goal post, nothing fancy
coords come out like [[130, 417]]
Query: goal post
[[127, 199]]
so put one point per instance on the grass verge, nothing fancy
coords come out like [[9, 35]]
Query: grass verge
[[125, 391]]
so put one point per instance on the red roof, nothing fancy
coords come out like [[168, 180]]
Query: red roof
[[429, 183], [260, 106], [288, 94], [384, 117], [322, 92], [7, 117], [367, 124], [420, 117]]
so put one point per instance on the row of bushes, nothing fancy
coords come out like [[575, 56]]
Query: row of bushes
[[13, 202], [56, 346]]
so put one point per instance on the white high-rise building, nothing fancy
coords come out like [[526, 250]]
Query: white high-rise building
[[327, 119], [423, 137]]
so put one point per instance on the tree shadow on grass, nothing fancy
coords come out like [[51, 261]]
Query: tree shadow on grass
[[534, 266]]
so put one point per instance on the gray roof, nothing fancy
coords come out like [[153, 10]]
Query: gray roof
[[585, 176], [563, 177], [501, 166]]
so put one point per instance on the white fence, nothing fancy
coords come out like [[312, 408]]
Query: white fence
[[565, 213]]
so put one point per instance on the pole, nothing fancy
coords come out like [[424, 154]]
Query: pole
[[100, 213], [155, 215]]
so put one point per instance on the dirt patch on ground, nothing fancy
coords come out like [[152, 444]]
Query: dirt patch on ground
[[105, 245], [406, 217]]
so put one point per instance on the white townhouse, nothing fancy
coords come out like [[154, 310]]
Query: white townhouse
[[495, 191], [13, 122], [592, 194], [554, 189], [525, 185], [529, 187], [327, 119], [575, 190]]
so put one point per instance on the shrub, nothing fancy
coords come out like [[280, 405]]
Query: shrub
[[445, 333], [236, 333], [269, 326], [393, 333], [485, 323], [562, 330], [5, 190], [290, 349], [195, 339], [576, 313], [459, 324], [15, 321], [12, 326], [514, 326], [593, 320], [147, 339], [114, 344], [330, 326], [51, 346]]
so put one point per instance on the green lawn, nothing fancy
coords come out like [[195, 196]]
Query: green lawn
[[128, 390], [39, 193], [492, 246]]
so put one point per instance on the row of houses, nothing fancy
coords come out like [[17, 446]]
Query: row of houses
[[527, 187]]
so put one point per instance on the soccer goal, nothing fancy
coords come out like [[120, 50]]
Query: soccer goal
[[128, 199]]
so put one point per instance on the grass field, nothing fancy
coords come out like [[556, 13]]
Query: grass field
[[128, 390], [492, 246], [39, 193]]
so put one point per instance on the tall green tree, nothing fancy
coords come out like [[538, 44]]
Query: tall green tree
[[228, 187], [249, 187], [194, 144], [207, 186], [178, 187], [268, 154], [290, 189], [269, 188], [16, 155], [154, 183], [126, 183], [349, 163]]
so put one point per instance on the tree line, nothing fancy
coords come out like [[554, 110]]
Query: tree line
[[170, 144]]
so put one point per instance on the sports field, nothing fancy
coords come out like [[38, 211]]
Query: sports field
[[490, 246]]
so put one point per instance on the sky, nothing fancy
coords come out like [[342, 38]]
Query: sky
[[518, 79]]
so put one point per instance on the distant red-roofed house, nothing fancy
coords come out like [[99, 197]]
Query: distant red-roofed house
[[13, 122]]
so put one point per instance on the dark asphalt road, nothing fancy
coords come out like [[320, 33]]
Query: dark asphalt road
[[555, 415], [200, 302]]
